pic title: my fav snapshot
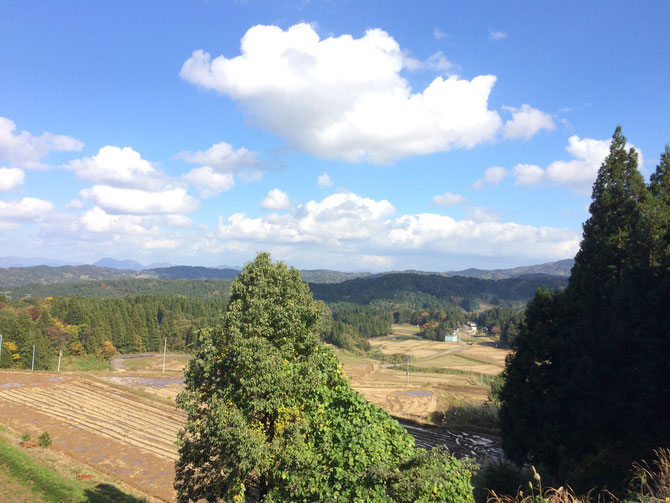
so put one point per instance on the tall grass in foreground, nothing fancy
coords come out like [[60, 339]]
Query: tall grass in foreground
[[649, 484]]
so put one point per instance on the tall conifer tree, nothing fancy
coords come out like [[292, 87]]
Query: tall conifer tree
[[594, 358]]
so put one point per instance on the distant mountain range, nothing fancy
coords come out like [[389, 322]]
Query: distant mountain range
[[561, 268], [107, 268], [45, 275], [127, 264], [32, 262], [191, 272]]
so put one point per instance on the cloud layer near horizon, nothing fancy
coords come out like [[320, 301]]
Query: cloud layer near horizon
[[345, 223]]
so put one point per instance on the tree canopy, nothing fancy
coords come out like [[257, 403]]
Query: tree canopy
[[586, 390], [271, 416]]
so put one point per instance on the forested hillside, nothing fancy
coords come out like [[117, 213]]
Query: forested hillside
[[456, 288], [134, 314], [198, 288], [190, 272], [99, 327]]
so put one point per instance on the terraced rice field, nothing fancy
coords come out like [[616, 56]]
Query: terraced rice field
[[94, 423], [482, 358]]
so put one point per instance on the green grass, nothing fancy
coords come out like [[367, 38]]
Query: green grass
[[484, 379], [406, 330], [350, 357], [48, 485], [448, 360], [84, 364], [140, 363]]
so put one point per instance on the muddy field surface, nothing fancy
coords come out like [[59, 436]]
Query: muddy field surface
[[111, 430], [460, 444]]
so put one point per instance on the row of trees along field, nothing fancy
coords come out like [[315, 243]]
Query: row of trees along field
[[99, 327], [587, 391], [502, 322], [351, 324]]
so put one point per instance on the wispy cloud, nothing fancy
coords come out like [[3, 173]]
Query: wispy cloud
[[492, 176], [448, 199], [497, 34], [439, 34]]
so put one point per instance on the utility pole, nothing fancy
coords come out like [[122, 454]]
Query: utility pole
[[408, 370], [32, 367], [60, 353], [164, 351]]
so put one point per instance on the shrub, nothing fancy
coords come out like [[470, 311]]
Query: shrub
[[44, 440], [500, 477], [469, 415], [26, 437]]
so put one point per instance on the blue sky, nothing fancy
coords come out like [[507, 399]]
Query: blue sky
[[354, 135]]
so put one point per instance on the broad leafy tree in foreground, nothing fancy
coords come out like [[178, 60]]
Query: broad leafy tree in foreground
[[587, 391], [271, 416]]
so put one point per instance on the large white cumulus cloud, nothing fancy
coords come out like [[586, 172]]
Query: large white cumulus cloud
[[140, 202], [344, 98], [121, 167]]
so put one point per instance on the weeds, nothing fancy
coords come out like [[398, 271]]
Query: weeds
[[652, 484], [44, 440], [649, 484]]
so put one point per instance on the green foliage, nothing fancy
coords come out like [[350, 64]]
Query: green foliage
[[502, 477], [369, 321], [26, 437], [495, 389], [418, 288], [96, 328], [271, 416], [586, 390], [344, 336], [479, 416], [215, 289], [44, 440], [503, 321]]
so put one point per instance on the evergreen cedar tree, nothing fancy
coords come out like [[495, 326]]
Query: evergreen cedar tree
[[271, 416], [587, 390]]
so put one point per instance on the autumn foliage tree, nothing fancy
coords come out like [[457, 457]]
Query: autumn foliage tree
[[271, 416]]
